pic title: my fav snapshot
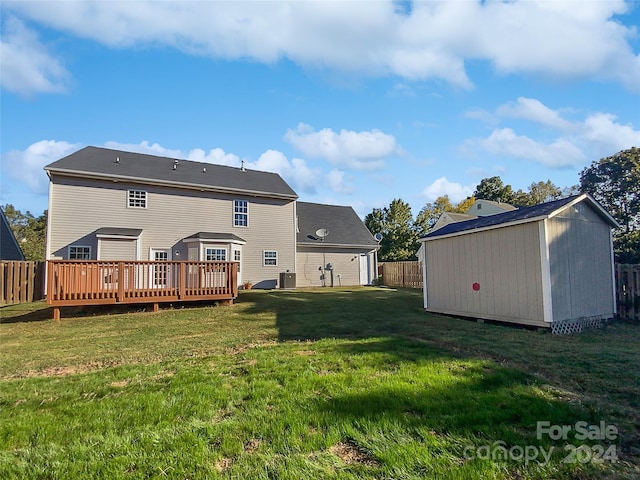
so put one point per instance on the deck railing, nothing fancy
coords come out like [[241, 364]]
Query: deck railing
[[95, 282]]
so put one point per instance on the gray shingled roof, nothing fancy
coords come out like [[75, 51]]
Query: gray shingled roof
[[521, 214], [9, 248], [119, 232], [138, 167], [214, 236], [344, 226]]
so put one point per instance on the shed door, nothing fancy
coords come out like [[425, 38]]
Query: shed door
[[364, 270], [117, 249]]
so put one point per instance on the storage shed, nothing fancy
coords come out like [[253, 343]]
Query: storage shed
[[550, 265]]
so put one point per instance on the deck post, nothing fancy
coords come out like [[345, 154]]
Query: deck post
[[121, 282], [56, 314], [156, 307], [182, 287]]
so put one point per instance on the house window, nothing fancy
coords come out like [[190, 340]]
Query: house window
[[79, 253], [137, 199], [236, 258], [215, 255], [240, 213], [270, 257]]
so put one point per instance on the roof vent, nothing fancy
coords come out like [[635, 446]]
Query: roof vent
[[204, 170], [242, 166], [117, 160], [175, 165]]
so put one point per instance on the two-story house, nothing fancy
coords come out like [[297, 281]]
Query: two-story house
[[112, 205]]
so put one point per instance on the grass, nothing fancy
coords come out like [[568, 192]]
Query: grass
[[330, 383]]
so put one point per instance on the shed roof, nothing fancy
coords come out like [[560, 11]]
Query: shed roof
[[9, 248], [344, 226], [94, 162], [214, 236], [521, 215], [119, 232]]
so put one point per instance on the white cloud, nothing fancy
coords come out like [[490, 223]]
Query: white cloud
[[559, 39], [601, 131], [296, 172], [560, 153], [595, 136], [26, 167], [336, 182], [357, 150], [26, 65], [535, 111], [456, 191]]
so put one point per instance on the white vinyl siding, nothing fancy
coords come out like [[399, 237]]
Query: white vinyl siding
[[165, 222], [117, 249], [137, 199], [79, 252]]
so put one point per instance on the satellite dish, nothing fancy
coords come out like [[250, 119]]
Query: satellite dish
[[322, 233], [378, 237]]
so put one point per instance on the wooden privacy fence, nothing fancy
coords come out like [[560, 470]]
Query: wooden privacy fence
[[402, 274], [94, 282], [628, 291], [21, 282]]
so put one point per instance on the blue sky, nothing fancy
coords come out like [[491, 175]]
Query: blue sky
[[353, 103]]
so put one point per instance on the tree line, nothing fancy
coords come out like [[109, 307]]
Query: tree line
[[613, 181]]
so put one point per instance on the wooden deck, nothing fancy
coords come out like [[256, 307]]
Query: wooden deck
[[95, 282]]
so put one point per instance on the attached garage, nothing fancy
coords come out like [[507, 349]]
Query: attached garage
[[345, 255], [550, 265]]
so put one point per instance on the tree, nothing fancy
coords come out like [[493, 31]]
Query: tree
[[494, 189], [539, 192], [395, 223], [30, 232], [615, 183], [431, 212]]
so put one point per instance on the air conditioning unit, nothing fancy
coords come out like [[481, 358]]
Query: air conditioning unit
[[287, 280]]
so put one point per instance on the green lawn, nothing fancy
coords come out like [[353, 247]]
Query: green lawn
[[310, 384]]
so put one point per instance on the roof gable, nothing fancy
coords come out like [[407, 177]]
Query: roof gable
[[9, 248], [344, 226], [521, 215], [94, 162]]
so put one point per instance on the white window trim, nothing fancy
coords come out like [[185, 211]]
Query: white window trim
[[78, 246], [146, 198], [264, 258], [234, 213], [215, 247]]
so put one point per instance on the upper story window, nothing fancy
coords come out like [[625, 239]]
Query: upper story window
[[240, 213], [137, 199], [270, 258], [79, 253], [215, 255]]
